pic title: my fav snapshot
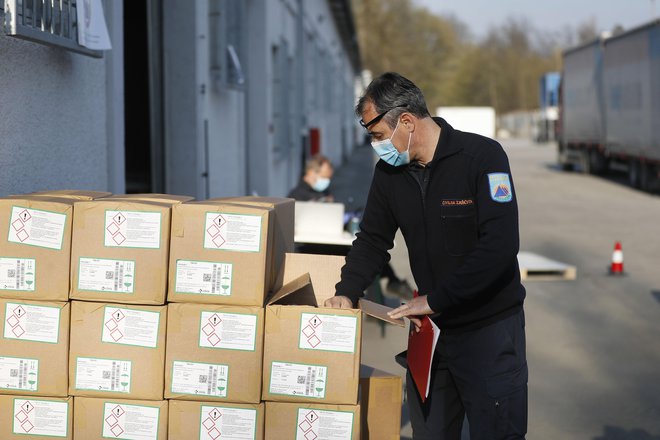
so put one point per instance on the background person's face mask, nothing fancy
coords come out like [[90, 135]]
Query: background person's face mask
[[321, 184], [386, 150]]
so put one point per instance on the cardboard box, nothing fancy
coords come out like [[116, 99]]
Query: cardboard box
[[220, 253], [29, 417], [313, 353], [115, 418], [283, 228], [154, 197], [222, 344], [215, 420], [117, 350], [381, 397], [120, 251], [73, 194], [311, 421], [35, 247], [34, 347]]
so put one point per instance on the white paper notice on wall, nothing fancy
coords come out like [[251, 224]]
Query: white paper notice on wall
[[92, 30]]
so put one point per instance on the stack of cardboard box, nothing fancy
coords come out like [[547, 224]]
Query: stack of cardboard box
[[224, 259], [312, 356], [35, 252], [92, 348]]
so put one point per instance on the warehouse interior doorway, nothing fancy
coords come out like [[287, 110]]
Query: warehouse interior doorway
[[143, 96]]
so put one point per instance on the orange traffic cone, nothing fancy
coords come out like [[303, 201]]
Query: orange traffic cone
[[617, 260]]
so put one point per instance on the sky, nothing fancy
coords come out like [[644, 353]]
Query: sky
[[547, 15]]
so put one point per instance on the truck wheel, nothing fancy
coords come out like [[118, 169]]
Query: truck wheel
[[597, 162], [585, 162], [561, 160], [645, 177], [634, 172]]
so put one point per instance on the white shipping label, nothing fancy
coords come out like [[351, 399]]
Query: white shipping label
[[41, 417], [326, 425], [227, 423], [103, 375], [32, 323], [132, 229], [19, 374], [36, 228], [130, 327], [18, 274], [328, 332], [203, 277], [106, 275], [130, 422], [232, 331], [298, 379], [200, 379], [232, 232]]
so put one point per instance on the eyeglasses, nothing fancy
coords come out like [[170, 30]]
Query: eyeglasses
[[379, 117]]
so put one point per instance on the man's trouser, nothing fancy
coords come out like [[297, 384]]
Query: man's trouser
[[481, 373]]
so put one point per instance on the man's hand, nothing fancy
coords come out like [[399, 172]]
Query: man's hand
[[412, 310], [338, 302]]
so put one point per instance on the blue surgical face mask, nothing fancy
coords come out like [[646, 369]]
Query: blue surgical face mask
[[386, 150], [321, 184]]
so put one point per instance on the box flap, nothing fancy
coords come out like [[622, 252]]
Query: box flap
[[379, 311], [297, 292], [324, 272]]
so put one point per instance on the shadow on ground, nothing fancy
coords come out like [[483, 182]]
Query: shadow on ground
[[616, 433]]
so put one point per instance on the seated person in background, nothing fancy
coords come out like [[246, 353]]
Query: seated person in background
[[314, 187]]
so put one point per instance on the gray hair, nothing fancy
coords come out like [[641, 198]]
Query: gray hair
[[391, 91]]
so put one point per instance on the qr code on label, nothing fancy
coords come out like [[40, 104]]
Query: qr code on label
[[13, 372], [11, 273], [203, 378], [302, 379], [107, 374], [206, 277], [109, 274]]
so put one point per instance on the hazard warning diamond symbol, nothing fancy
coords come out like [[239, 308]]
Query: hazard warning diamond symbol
[[214, 433], [21, 416], [27, 426], [22, 235], [25, 215], [27, 407], [219, 241], [119, 218], [18, 224]]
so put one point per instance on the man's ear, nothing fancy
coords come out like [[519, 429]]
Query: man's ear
[[408, 121]]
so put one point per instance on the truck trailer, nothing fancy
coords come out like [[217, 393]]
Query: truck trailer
[[610, 105]]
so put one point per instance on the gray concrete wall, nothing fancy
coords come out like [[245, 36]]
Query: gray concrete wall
[[53, 119]]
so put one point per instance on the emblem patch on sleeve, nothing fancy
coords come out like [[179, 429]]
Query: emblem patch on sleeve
[[500, 187]]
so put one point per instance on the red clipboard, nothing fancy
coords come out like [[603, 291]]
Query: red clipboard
[[421, 347]]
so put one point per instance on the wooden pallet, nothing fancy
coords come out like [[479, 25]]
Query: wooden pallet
[[539, 268]]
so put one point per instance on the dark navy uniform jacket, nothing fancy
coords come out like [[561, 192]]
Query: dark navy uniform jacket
[[459, 218]]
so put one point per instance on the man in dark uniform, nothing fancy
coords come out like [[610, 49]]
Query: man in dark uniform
[[451, 194]]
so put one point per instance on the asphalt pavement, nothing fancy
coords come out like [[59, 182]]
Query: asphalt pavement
[[592, 343]]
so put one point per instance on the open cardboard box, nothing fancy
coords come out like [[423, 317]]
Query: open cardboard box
[[312, 353]]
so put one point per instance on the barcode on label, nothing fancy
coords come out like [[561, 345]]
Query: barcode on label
[[206, 277], [13, 372], [11, 273], [107, 374], [203, 378], [302, 380], [109, 274]]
